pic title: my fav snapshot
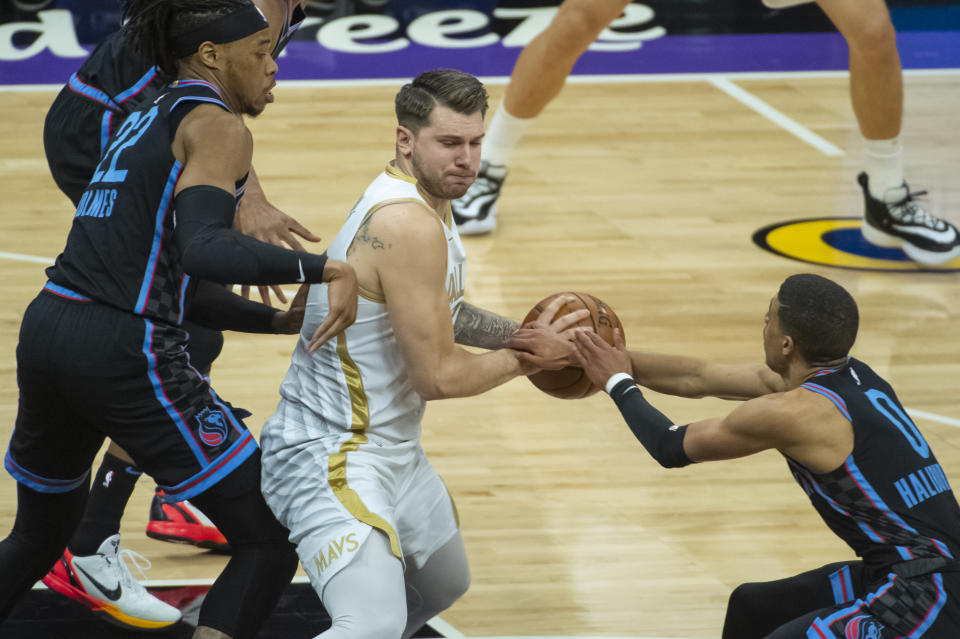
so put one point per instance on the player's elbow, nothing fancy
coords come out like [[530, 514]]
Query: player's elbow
[[430, 388]]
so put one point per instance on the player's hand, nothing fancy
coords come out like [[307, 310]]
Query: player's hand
[[259, 219], [598, 359], [290, 321], [547, 343], [342, 294]]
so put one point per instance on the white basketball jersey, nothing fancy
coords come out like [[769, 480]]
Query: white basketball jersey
[[358, 381]]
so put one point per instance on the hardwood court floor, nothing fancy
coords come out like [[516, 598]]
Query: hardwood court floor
[[645, 195]]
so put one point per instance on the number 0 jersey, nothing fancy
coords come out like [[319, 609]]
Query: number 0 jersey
[[890, 500], [121, 249]]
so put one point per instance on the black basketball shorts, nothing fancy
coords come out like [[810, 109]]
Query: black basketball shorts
[[88, 371]]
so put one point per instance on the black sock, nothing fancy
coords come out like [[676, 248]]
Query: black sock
[[109, 495]]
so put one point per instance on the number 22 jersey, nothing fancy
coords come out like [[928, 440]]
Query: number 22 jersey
[[121, 250]]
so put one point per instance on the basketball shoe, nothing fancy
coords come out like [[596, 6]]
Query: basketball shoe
[[103, 583], [898, 221], [476, 212], [182, 522]]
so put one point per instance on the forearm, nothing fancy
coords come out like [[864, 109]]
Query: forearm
[[228, 257], [465, 374], [478, 327], [693, 377], [213, 306], [669, 374], [658, 434], [211, 250]]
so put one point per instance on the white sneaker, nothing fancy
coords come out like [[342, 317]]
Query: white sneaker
[[897, 220], [103, 583], [476, 212]]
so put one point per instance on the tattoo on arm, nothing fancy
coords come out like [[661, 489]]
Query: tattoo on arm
[[363, 237], [485, 329]]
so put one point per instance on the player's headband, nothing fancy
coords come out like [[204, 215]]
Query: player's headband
[[226, 28]]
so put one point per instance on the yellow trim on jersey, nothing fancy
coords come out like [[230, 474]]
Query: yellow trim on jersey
[[377, 296], [337, 463], [395, 171]]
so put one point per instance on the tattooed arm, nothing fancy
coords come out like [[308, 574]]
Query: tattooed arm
[[478, 327]]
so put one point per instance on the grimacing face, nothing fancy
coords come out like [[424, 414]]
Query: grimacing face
[[250, 71], [446, 152]]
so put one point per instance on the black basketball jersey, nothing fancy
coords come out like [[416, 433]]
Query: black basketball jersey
[[121, 249], [117, 77], [890, 500]]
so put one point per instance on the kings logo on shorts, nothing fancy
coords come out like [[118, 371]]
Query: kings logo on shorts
[[862, 627], [213, 427]]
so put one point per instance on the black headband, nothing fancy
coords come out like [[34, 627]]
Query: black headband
[[229, 27]]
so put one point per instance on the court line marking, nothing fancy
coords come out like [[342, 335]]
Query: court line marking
[[750, 100], [26, 258], [623, 78], [445, 629], [950, 421]]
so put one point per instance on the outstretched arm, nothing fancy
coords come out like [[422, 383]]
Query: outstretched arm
[[683, 376], [798, 423], [693, 377]]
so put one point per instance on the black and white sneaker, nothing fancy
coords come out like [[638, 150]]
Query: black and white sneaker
[[475, 213], [898, 221]]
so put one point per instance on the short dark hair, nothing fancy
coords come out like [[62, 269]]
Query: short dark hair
[[151, 25], [820, 316], [453, 89]]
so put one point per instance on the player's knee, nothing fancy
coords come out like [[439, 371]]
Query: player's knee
[[440, 594], [874, 37], [451, 589], [387, 623]]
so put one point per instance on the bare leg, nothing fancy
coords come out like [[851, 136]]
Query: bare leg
[[545, 63]]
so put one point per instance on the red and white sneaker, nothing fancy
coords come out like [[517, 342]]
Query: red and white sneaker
[[181, 522], [103, 583]]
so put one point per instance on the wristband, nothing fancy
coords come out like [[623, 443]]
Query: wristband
[[615, 379]]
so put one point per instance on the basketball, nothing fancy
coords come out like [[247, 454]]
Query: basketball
[[571, 382]]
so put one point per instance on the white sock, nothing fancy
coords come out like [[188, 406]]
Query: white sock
[[884, 165], [503, 135]]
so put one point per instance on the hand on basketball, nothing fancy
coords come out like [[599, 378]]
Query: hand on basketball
[[290, 321], [261, 220], [547, 343], [598, 359], [341, 282]]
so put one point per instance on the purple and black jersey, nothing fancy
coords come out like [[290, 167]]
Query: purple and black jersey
[[890, 500], [121, 249]]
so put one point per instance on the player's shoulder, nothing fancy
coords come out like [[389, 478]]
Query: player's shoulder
[[209, 127], [407, 219], [773, 408]]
